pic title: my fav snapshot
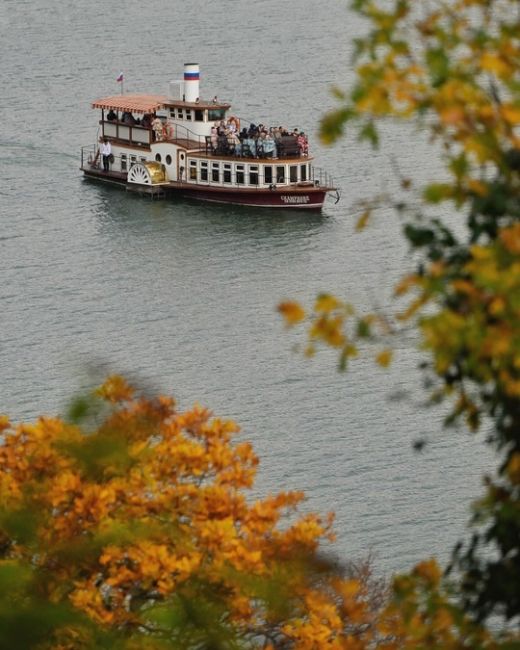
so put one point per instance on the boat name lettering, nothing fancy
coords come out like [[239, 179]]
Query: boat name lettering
[[295, 199]]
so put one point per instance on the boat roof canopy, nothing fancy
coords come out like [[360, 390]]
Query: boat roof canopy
[[132, 103], [148, 103]]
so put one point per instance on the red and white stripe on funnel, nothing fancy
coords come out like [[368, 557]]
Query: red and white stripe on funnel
[[191, 81]]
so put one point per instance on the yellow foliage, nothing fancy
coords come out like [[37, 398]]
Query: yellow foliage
[[511, 114], [493, 62], [363, 220], [327, 303]]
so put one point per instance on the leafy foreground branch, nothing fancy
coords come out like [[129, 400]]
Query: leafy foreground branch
[[452, 70], [128, 527]]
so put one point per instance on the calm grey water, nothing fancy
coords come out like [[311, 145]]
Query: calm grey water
[[183, 295]]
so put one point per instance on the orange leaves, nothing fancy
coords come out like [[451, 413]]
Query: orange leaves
[[173, 518], [292, 312], [4, 423], [510, 238], [384, 358], [429, 571], [329, 329], [115, 389]]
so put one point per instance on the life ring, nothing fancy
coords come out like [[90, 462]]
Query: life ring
[[236, 122]]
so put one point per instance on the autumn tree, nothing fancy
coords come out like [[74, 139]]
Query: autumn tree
[[127, 526], [450, 69]]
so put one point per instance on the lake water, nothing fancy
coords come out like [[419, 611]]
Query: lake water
[[182, 296]]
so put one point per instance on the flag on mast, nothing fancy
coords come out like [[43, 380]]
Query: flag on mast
[[120, 77]]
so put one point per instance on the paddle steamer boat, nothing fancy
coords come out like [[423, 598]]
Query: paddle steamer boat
[[182, 145]]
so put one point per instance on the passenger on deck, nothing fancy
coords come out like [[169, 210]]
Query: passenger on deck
[[303, 144], [111, 117], [214, 139], [251, 144], [128, 118], [269, 147], [106, 152], [235, 146], [222, 144], [260, 145], [157, 127], [169, 129], [146, 121]]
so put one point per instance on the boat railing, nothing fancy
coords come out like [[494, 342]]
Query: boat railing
[[91, 159], [90, 156], [320, 177]]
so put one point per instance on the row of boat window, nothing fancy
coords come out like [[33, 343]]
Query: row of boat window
[[197, 114], [228, 173]]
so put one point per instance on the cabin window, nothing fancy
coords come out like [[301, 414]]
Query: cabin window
[[172, 112], [179, 113], [123, 162], [157, 157], [143, 159], [280, 174], [253, 174], [303, 172], [193, 170], [204, 171], [168, 159], [268, 175], [133, 159], [293, 173], [227, 173], [215, 172], [240, 174], [188, 115], [199, 115], [216, 114]]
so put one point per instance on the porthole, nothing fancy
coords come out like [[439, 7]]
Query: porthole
[[158, 157], [168, 159]]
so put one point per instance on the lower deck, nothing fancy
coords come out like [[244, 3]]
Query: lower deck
[[303, 195]]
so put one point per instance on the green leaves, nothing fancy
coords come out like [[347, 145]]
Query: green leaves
[[438, 66], [332, 125]]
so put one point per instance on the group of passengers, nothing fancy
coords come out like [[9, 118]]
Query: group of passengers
[[162, 130], [128, 118], [257, 141]]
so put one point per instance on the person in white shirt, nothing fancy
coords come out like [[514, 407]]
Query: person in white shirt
[[106, 152]]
